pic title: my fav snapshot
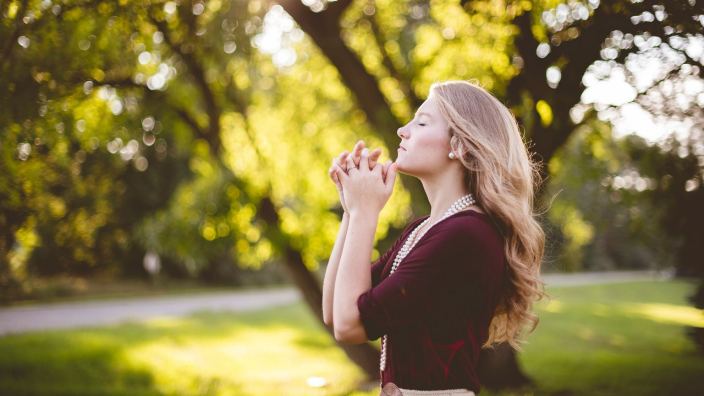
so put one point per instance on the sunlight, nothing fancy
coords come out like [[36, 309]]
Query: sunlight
[[278, 35], [668, 313], [554, 306], [244, 361]]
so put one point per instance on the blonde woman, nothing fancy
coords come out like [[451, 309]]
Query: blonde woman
[[459, 279]]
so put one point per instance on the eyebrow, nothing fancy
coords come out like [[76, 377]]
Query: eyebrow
[[423, 113]]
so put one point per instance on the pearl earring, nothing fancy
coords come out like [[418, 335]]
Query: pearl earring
[[451, 155]]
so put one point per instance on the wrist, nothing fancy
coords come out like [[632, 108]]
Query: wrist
[[365, 214]]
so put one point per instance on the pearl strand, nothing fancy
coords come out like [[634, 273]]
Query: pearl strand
[[457, 206]]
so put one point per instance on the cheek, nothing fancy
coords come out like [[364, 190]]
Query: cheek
[[433, 143], [429, 151]]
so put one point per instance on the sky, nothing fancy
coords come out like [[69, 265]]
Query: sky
[[610, 87]]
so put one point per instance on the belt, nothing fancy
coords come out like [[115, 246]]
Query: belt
[[390, 389], [447, 392]]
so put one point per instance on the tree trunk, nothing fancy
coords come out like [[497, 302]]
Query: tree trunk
[[363, 355], [499, 369]]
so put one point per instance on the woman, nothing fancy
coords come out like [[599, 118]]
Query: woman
[[460, 279]]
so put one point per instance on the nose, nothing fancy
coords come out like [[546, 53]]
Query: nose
[[401, 132]]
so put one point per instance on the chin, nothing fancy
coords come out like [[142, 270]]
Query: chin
[[399, 166], [402, 169]]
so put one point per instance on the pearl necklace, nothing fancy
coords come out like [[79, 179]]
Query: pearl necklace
[[457, 206]]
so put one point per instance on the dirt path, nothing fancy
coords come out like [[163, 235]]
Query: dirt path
[[98, 313]]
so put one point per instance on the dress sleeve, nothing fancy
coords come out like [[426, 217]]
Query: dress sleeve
[[380, 263], [421, 284]]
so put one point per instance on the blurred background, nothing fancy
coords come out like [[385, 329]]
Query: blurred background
[[166, 214]]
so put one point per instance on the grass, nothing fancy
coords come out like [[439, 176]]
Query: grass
[[615, 339]]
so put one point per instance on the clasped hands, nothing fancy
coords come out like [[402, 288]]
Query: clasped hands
[[363, 184]]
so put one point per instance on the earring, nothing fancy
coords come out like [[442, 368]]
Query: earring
[[451, 155]]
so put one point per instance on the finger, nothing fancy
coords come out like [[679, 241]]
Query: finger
[[342, 160], [364, 159], [350, 164], [341, 175], [332, 171], [357, 148], [335, 177], [385, 170], [391, 176], [357, 152], [376, 170], [373, 157]]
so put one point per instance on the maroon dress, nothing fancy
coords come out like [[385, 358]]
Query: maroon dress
[[436, 307]]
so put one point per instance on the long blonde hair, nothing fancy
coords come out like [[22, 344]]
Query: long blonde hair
[[502, 176]]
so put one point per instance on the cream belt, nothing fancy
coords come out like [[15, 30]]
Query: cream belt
[[390, 389], [448, 392]]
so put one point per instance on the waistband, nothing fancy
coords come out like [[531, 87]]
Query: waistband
[[446, 392]]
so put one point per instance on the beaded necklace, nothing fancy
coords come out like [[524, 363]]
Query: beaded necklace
[[457, 206]]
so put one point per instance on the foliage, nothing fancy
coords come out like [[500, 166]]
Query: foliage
[[605, 207], [168, 126]]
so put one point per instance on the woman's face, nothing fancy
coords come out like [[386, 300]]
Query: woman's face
[[425, 141]]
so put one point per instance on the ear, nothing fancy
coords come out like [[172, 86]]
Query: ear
[[457, 146], [454, 142]]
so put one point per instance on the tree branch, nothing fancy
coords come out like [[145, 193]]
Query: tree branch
[[323, 28], [10, 44], [403, 81], [197, 73], [182, 113]]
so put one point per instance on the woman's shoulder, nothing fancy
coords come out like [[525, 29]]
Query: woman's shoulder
[[474, 235], [471, 223], [467, 223]]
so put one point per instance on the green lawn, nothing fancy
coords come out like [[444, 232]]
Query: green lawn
[[617, 339]]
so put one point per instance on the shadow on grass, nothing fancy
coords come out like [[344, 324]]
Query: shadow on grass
[[206, 353], [38, 365]]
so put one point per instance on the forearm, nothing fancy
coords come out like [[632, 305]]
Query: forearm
[[331, 270], [353, 275]]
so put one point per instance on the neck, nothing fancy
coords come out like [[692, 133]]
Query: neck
[[442, 191]]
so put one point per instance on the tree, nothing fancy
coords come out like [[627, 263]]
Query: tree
[[203, 84], [574, 36]]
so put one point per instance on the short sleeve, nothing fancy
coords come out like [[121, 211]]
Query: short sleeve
[[419, 285]]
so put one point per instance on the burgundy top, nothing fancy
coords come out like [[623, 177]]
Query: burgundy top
[[436, 307]]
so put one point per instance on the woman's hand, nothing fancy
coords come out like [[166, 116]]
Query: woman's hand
[[364, 188], [341, 160]]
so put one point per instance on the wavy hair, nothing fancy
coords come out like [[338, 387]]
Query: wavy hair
[[502, 176]]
